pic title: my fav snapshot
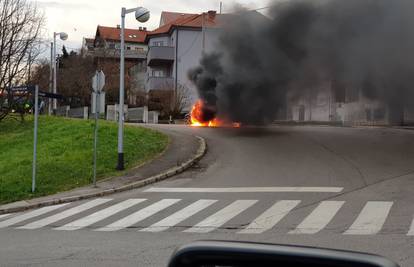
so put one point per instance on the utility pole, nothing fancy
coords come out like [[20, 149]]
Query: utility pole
[[50, 77], [203, 33], [54, 73], [221, 6]]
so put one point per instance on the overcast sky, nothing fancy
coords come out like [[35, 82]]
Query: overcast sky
[[79, 18]]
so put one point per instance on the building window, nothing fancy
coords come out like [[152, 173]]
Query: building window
[[157, 73], [139, 49], [128, 48], [111, 46], [158, 43]]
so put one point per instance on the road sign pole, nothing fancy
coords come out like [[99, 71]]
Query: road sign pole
[[95, 144], [36, 115], [98, 82]]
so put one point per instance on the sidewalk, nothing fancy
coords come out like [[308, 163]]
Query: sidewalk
[[182, 152]]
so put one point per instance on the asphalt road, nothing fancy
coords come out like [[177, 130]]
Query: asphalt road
[[345, 188]]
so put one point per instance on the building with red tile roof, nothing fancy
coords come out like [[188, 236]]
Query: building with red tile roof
[[168, 17], [209, 19], [114, 34], [105, 49], [178, 45]]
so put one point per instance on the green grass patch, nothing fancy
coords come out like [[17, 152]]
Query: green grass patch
[[65, 154]]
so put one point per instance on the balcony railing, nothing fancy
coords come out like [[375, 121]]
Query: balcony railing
[[160, 83], [160, 55], [116, 53]]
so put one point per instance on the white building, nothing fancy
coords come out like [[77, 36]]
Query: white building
[[346, 105], [177, 46]]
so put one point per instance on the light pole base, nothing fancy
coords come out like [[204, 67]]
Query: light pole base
[[120, 166]]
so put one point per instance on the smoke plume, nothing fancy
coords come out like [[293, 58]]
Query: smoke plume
[[365, 44]]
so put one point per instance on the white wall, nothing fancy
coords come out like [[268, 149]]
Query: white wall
[[316, 102], [190, 44], [320, 105], [188, 55]]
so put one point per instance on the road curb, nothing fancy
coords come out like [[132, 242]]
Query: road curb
[[202, 149]]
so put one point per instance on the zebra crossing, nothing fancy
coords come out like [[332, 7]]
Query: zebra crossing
[[170, 213]]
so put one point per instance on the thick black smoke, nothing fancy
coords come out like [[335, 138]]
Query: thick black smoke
[[365, 44]]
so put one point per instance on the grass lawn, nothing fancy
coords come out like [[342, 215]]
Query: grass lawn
[[65, 151]]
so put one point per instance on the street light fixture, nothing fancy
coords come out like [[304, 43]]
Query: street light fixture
[[141, 15], [63, 36]]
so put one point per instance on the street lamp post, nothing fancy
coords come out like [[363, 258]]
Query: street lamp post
[[63, 36], [142, 15]]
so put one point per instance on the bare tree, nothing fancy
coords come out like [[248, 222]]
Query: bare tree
[[40, 74], [21, 24], [170, 101], [110, 66], [75, 79], [180, 100]]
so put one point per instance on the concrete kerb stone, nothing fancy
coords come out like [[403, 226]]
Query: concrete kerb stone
[[202, 149]]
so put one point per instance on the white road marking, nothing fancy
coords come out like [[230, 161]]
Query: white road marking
[[221, 217], [371, 219], [319, 218], [270, 217], [4, 215], [65, 214], [179, 216], [100, 215], [411, 231], [246, 190], [29, 215], [139, 215]]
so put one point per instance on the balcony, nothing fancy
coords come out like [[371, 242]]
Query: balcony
[[160, 55], [160, 83]]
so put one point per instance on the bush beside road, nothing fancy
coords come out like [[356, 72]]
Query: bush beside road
[[65, 149]]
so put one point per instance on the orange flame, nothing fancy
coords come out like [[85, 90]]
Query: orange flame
[[197, 114]]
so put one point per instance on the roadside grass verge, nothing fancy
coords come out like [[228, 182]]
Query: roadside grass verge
[[65, 151]]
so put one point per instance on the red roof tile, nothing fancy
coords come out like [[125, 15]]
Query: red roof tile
[[168, 17], [113, 33], [192, 21]]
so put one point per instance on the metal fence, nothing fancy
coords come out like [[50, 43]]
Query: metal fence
[[140, 115]]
